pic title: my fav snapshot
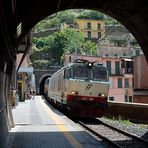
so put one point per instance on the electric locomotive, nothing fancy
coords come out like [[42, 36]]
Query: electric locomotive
[[80, 87]]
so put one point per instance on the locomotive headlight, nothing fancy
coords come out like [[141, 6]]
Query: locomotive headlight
[[74, 92], [90, 64], [102, 95]]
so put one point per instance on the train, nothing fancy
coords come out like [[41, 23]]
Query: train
[[81, 88]]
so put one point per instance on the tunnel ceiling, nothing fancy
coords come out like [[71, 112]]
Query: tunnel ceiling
[[131, 13]]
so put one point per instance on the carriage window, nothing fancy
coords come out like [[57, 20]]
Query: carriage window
[[99, 74], [80, 72]]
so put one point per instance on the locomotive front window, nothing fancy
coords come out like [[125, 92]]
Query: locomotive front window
[[99, 74], [68, 73], [80, 72]]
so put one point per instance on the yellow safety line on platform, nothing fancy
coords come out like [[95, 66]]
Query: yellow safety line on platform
[[61, 126]]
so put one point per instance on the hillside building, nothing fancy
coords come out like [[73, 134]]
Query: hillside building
[[92, 29]]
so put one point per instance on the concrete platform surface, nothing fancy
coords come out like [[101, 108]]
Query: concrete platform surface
[[39, 125]]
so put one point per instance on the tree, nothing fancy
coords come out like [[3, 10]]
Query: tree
[[42, 52], [41, 64], [47, 24], [40, 43], [74, 41], [53, 47], [90, 14], [90, 48], [67, 17]]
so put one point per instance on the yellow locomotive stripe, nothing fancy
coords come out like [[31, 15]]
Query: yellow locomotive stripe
[[61, 126]]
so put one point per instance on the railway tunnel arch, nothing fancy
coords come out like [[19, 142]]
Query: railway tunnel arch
[[132, 14], [42, 83]]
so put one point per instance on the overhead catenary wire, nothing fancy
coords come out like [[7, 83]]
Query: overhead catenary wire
[[99, 39]]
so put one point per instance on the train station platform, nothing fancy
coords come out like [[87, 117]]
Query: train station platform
[[39, 125]]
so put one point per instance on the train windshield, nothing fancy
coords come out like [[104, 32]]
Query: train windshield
[[80, 72], [99, 73]]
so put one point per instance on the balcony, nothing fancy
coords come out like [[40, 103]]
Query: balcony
[[120, 72], [128, 70]]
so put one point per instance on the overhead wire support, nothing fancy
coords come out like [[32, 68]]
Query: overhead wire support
[[106, 32], [58, 6], [102, 37]]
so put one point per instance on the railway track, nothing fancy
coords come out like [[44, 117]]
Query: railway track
[[113, 136]]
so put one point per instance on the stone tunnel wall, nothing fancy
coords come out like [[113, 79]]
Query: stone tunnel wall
[[3, 112]]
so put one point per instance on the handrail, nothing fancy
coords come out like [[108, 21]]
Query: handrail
[[2, 108]]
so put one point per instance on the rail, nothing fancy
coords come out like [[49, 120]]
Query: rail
[[99, 135], [98, 131], [3, 108]]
